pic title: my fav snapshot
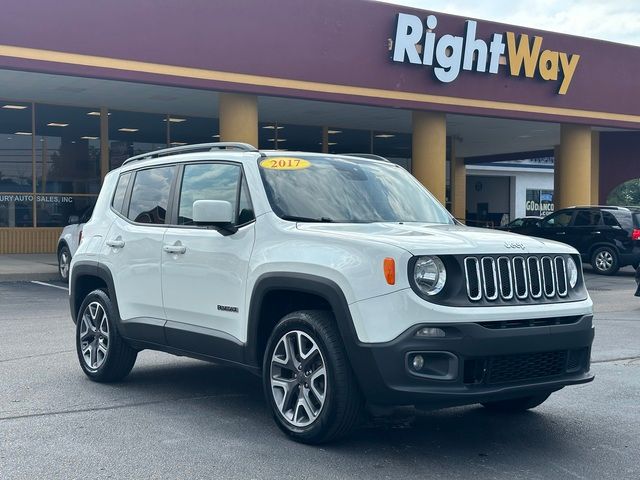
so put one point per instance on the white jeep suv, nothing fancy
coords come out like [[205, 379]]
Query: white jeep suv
[[339, 280]]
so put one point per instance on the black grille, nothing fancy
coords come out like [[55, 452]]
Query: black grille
[[524, 367], [531, 322], [514, 368]]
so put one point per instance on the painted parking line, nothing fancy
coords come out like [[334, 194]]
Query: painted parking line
[[45, 284]]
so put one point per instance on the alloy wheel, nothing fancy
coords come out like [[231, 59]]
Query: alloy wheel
[[604, 260], [298, 378], [94, 335], [64, 264]]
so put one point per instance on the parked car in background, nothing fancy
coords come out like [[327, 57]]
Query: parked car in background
[[638, 281], [520, 224], [69, 241], [607, 237]]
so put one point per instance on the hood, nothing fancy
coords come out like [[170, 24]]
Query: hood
[[426, 239]]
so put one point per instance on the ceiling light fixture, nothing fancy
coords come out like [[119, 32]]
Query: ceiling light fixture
[[384, 135], [88, 138], [175, 120], [128, 130], [272, 127], [22, 133], [331, 132], [14, 107], [55, 124], [96, 114], [215, 136]]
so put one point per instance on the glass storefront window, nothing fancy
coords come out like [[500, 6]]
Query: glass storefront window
[[16, 139], [55, 210], [343, 140], [16, 210], [275, 136], [67, 148], [188, 130], [134, 133]]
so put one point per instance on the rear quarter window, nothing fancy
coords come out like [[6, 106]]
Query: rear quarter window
[[624, 218], [121, 189]]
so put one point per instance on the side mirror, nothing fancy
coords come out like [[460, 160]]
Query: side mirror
[[217, 213], [538, 224], [73, 220]]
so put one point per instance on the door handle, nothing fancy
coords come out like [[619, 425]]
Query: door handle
[[115, 243], [174, 249]]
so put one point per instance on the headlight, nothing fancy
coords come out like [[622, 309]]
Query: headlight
[[430, 275], [572, 272]]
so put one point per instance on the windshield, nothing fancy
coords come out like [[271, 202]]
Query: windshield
[[337, 189]]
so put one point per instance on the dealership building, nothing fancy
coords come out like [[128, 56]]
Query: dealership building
[[498, 121]]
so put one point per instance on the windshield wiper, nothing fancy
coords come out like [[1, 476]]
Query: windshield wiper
[[294, 218]]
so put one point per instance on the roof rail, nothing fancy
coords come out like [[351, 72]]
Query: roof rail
[[198, 147], [370, 156]]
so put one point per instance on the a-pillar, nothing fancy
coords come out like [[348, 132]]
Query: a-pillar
[[428, 162], [573, 184], [238, 115], [458, 188]]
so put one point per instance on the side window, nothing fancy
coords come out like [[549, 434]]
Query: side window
[[245, 209], [121, 190], [587, 218], [557, 220], [207, 181], [150, 195], [609, 219]]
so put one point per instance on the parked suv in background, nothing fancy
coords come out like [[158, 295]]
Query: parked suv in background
[[607, 237], [339, 280], [69, 241]]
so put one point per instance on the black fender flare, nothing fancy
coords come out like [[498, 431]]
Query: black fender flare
[[93, 269], [297, 282]]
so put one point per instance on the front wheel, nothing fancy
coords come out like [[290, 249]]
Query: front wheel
[[517, 404], [307, 379], [103, 354], [604, 261]]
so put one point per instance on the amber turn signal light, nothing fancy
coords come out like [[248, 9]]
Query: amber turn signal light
[[390, 270]]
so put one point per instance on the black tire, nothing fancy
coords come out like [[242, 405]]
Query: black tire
[[343, 403], [605, 261], [64, 261], [119, 358], [517, 404]]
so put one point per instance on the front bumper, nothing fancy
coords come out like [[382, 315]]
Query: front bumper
[[481, 363]]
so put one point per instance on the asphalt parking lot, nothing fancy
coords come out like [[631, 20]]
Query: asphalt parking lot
[[181, 418]]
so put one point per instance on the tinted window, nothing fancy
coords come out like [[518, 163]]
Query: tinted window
[[609, 219], [587, 218], [624, 219], [560, 219], [208, 181], [518, 222], [121, 190], [150, 195]]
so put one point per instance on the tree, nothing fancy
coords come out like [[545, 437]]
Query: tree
[[625, 194]]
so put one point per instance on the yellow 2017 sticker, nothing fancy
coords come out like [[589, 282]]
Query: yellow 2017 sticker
[[285, 163]]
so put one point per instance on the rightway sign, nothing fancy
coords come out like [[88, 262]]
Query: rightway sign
[[417, 43]]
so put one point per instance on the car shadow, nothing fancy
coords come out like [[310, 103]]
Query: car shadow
[[462, 434]]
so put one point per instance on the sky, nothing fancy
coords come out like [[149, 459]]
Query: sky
[[613, 20]]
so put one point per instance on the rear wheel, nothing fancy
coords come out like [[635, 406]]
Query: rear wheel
[[64, 263], [517, 404], [103, 354], [307, 379], [605, 260]]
